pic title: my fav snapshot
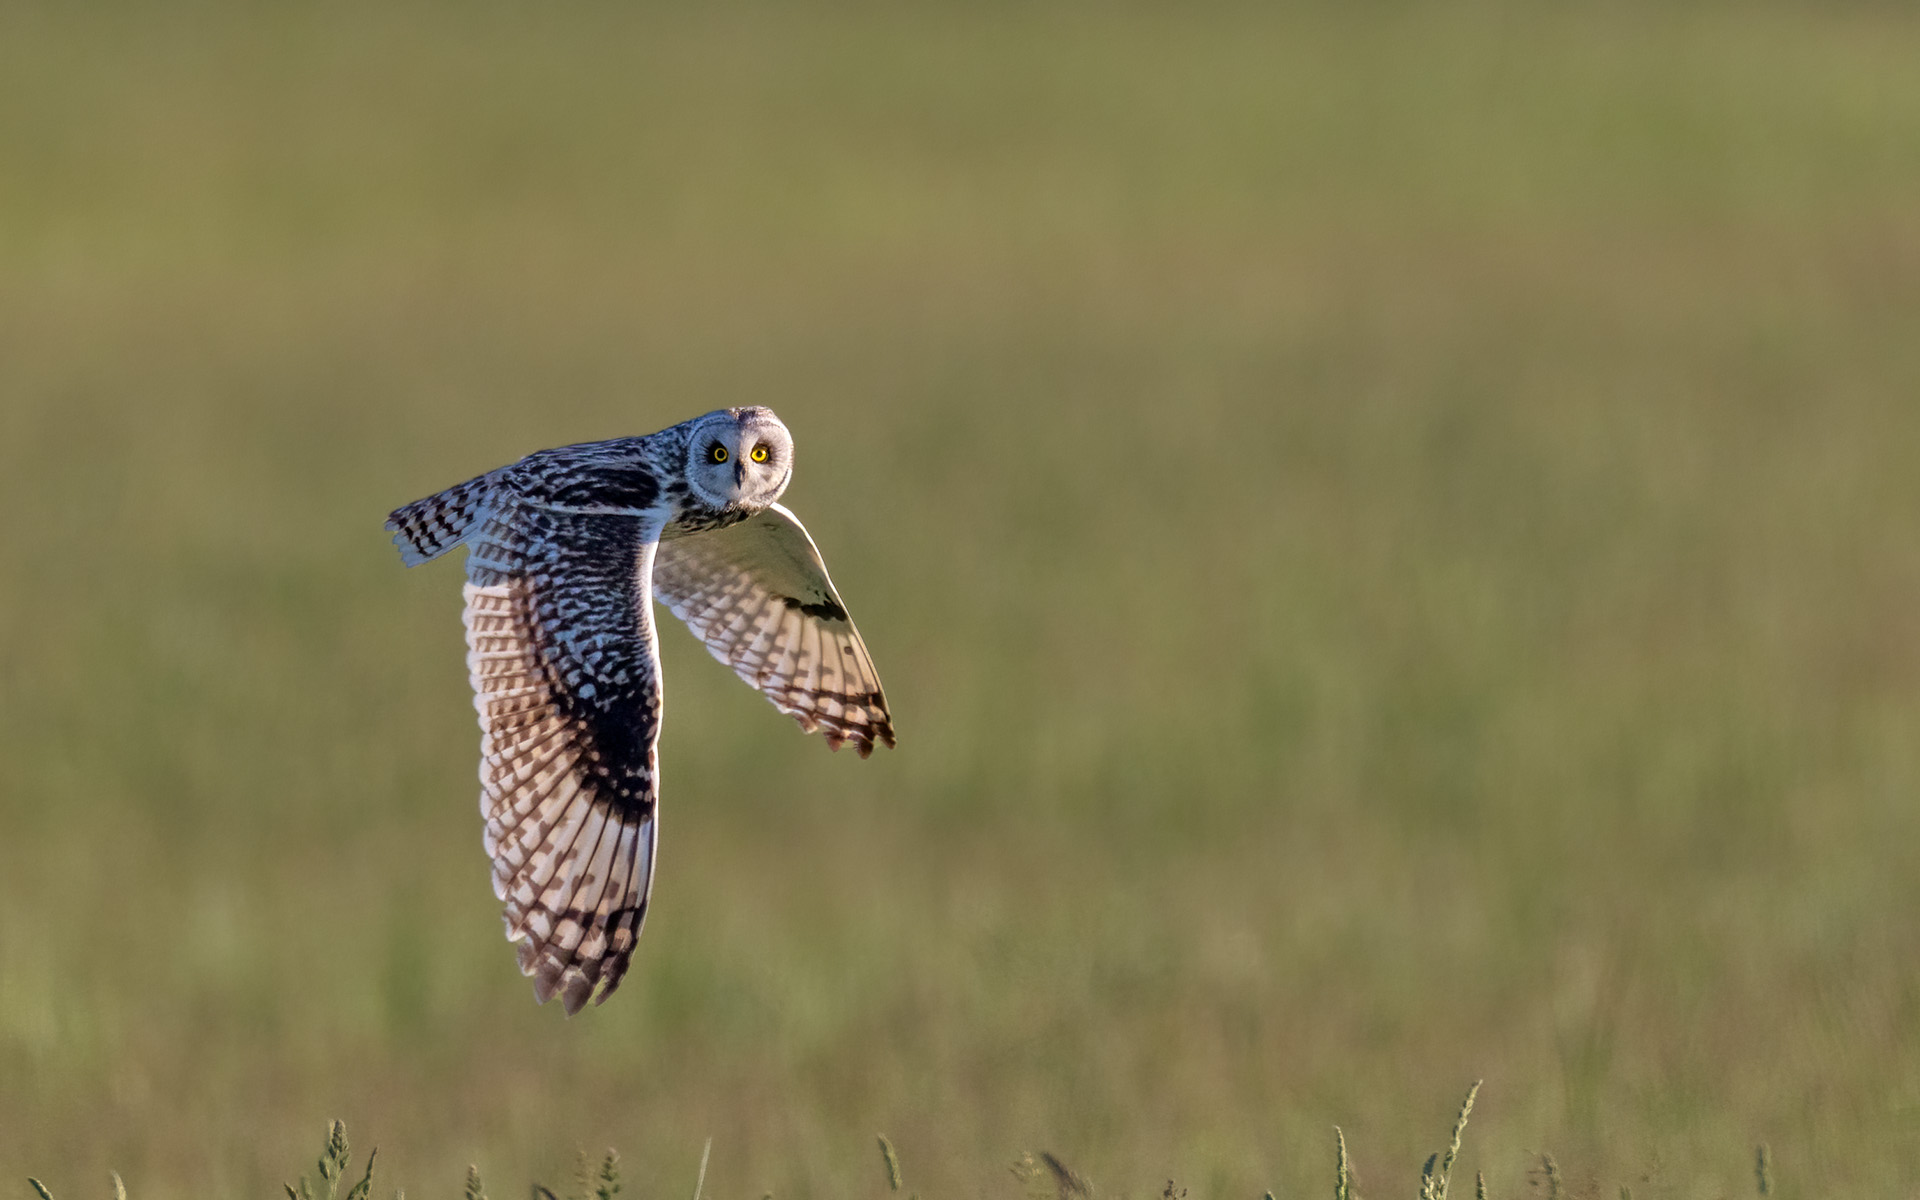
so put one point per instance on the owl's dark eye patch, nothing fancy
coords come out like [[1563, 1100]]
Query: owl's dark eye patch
[[718, 453]]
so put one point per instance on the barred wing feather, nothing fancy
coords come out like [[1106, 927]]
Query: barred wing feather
[[757, 593], [562, 658]]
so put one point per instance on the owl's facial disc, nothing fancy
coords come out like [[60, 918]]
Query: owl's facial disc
[[739, 458]]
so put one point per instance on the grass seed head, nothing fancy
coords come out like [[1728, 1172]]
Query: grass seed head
[[333, 1159], [607, 1185], [1343, 1171], [892, 1161], [1453, 1145], [364, 1189]]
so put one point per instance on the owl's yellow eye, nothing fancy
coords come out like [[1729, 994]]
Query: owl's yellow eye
[[718, 453], [759, 453]]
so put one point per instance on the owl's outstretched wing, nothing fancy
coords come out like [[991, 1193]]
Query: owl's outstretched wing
[[758, 595], [560, 647]]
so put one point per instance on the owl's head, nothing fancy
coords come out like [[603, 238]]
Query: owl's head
[[739, 458]]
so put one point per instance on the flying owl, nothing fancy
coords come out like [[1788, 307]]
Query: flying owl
[[567, 549]]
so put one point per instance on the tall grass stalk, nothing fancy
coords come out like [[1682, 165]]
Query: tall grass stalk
[[700, 1181], [1453, 1145], [892, 1162], [1343, 1173]]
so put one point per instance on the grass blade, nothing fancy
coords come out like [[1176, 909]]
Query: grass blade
[[892, 1162], [701, 1182]]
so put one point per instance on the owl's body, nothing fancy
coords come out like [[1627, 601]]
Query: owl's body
[[567, 549]]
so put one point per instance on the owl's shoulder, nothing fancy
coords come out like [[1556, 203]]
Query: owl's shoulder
[[623, 473]]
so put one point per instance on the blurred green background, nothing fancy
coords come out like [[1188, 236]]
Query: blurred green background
[[1389, 531]]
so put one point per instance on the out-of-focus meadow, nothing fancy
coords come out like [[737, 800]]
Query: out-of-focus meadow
[[1390, 535]]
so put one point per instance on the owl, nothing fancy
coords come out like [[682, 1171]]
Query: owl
[[566, 551]]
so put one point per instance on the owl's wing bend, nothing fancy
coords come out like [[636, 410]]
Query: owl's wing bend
[[561, 651], [758, 595]]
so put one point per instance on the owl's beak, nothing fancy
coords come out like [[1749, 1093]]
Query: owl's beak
[[739, 473]]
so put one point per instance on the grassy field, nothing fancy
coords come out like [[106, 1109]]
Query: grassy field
[[1391, 539]]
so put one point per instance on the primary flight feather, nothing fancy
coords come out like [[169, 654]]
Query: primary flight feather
[[567, 549]]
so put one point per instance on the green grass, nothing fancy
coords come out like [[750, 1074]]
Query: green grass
[[1037, 1177], [1390, 537]]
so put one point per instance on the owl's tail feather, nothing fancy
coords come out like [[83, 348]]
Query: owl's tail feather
[[428, 528]]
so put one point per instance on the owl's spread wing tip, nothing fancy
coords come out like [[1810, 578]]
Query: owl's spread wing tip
[[882, 737], [572, 985], [863, 741], [575, 987], [758, 595]]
